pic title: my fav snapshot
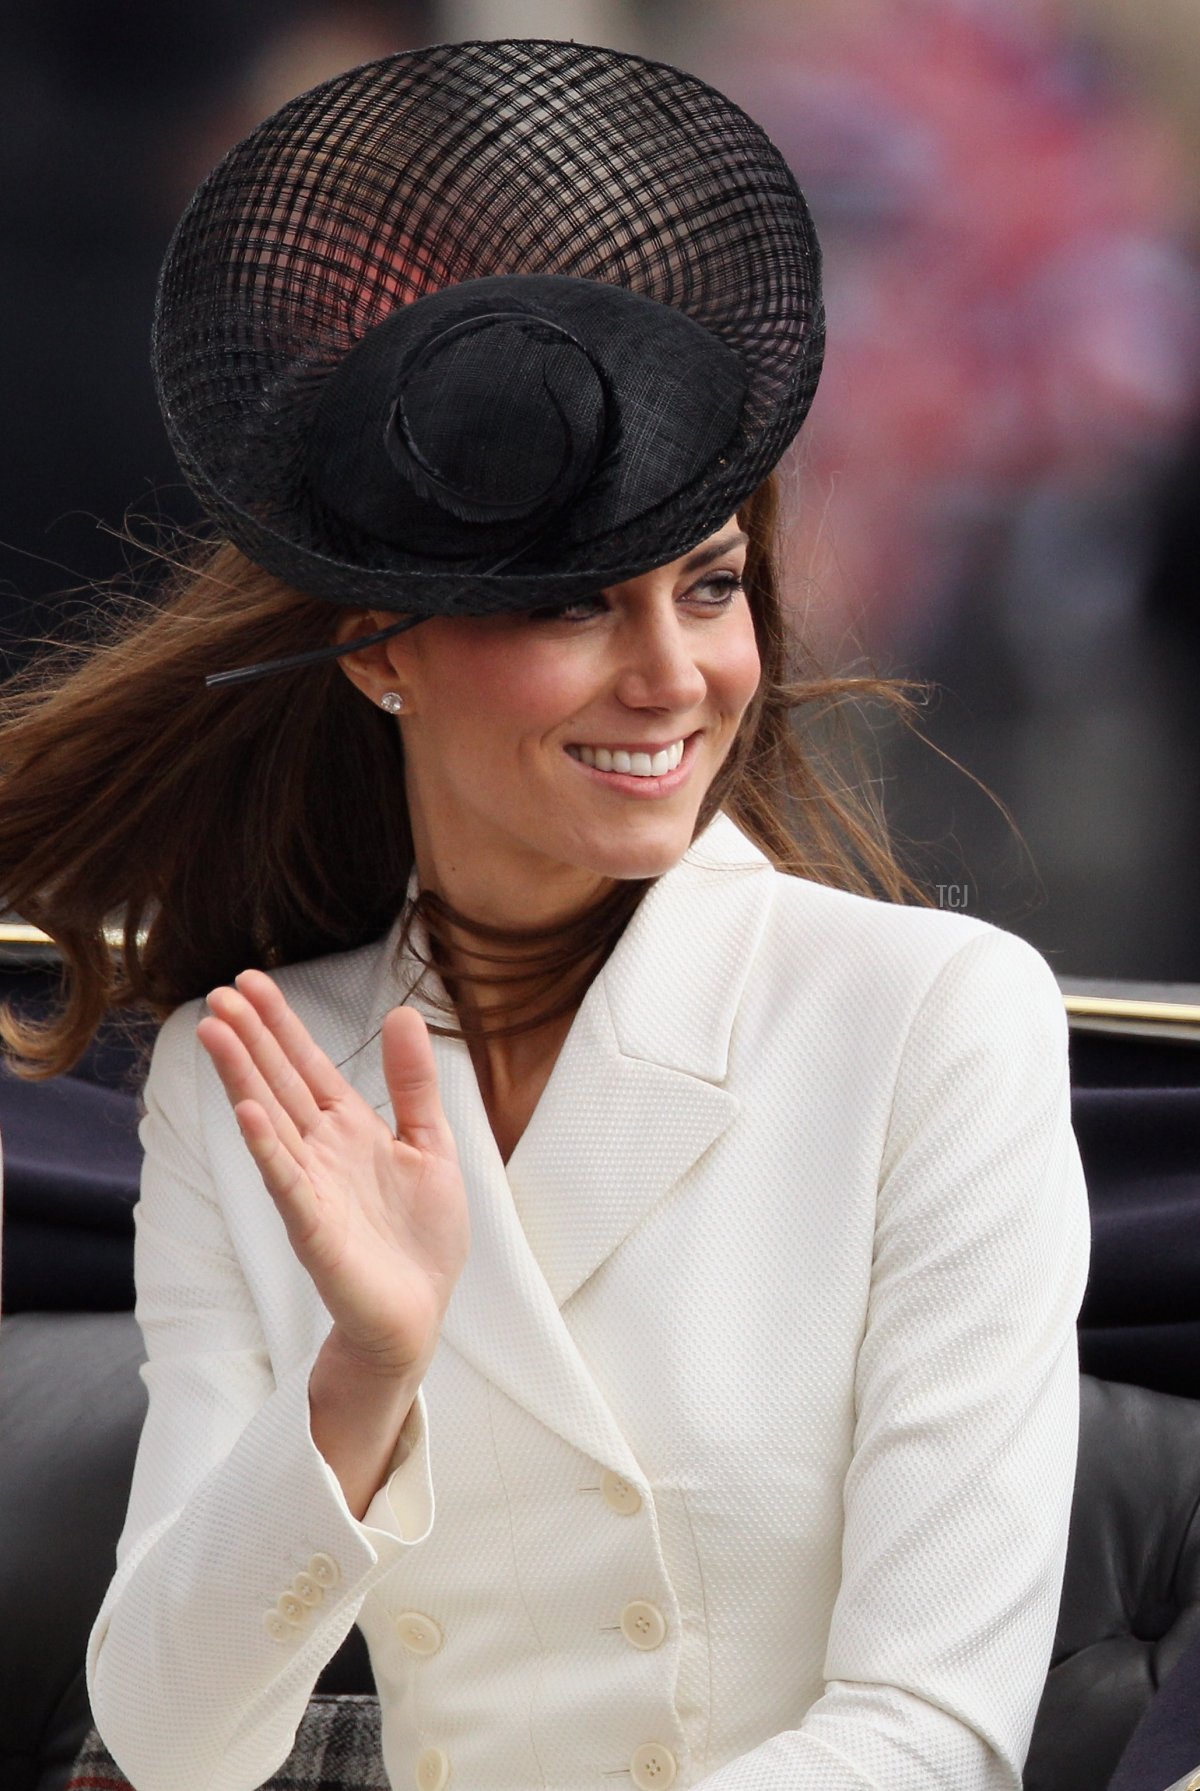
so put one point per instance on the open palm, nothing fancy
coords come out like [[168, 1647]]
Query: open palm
[[378, 1218]]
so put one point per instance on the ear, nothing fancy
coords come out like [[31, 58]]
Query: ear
[[377, 669]]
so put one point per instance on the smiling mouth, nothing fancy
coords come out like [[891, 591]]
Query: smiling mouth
[[631, 764]]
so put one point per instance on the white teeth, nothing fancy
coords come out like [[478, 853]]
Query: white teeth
[[636, 764]]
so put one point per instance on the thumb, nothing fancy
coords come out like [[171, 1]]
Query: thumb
[[411, 1076]]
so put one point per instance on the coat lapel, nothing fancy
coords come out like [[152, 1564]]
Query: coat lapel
[[638, 1094], [634, 1100]]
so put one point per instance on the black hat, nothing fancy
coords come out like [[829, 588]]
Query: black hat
[[486, 326]]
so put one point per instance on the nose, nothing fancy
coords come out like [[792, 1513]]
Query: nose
[[659, 662]]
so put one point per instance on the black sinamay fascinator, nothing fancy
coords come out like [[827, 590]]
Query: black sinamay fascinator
[[487, 326]]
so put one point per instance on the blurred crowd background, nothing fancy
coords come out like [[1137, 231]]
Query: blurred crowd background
[[995, 491]]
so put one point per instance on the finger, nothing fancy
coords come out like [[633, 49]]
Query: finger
[[286, 1183], [240, 1076], [287, 1088], [321, 1076], [411, 1075]]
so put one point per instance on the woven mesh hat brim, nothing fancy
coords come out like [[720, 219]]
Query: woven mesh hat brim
[[455, 163]]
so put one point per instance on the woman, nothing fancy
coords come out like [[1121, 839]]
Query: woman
[[679, 1382]]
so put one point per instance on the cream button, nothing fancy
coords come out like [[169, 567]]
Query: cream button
[[433, 1769], [643, 1624], [325, 1571], [652, 1767], [291, 1608], [618, 1494], [307, 1590], [277, 1626], [420, 1634]]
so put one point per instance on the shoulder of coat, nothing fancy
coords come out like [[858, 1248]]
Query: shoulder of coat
[[337, 992]]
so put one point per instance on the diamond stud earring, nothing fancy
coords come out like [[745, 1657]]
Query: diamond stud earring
[[392, 701]]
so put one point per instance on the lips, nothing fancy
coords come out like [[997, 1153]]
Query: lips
[[633, 762]]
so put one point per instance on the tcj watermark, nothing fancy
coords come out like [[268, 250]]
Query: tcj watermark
[[953, 895]]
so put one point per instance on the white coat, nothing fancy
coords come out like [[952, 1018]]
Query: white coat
[[752, 1424]]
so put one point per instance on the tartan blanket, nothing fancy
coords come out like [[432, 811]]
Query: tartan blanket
[[337, 1749]]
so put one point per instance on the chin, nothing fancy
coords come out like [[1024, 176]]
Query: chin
[[634, 860]]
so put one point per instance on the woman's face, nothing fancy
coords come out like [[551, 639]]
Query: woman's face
[[513, 726]]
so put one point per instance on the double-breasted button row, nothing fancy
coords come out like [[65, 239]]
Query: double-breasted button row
[[419, 1633], [433, 1769], [652, 1767], [643, 1624], [619, 1495], [305, 1592]]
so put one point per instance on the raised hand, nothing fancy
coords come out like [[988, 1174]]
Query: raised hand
[[378, 1218]]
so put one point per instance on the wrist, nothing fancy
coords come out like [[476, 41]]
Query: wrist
[[373, 1365], [357, 1413]]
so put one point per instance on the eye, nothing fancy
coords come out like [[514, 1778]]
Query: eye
[[719, 589], [581, 610], [716, 591]]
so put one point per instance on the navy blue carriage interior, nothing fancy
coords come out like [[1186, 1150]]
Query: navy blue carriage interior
[[1130, 1618]]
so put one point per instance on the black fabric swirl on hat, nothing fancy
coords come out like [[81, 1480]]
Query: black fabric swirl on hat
[[557, 390], [526, 380], [488, 325]]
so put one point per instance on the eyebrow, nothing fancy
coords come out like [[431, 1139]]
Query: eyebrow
[[705, 555]]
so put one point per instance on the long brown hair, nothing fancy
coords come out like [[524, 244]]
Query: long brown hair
[[266, 823]]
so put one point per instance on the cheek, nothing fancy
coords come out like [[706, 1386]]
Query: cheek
[[740, 668], [504, 690]]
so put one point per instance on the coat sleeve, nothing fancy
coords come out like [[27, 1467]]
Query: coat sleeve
[[240, 1569], [958, 1494]]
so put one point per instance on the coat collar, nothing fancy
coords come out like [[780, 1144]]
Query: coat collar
[[635, 1097]]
